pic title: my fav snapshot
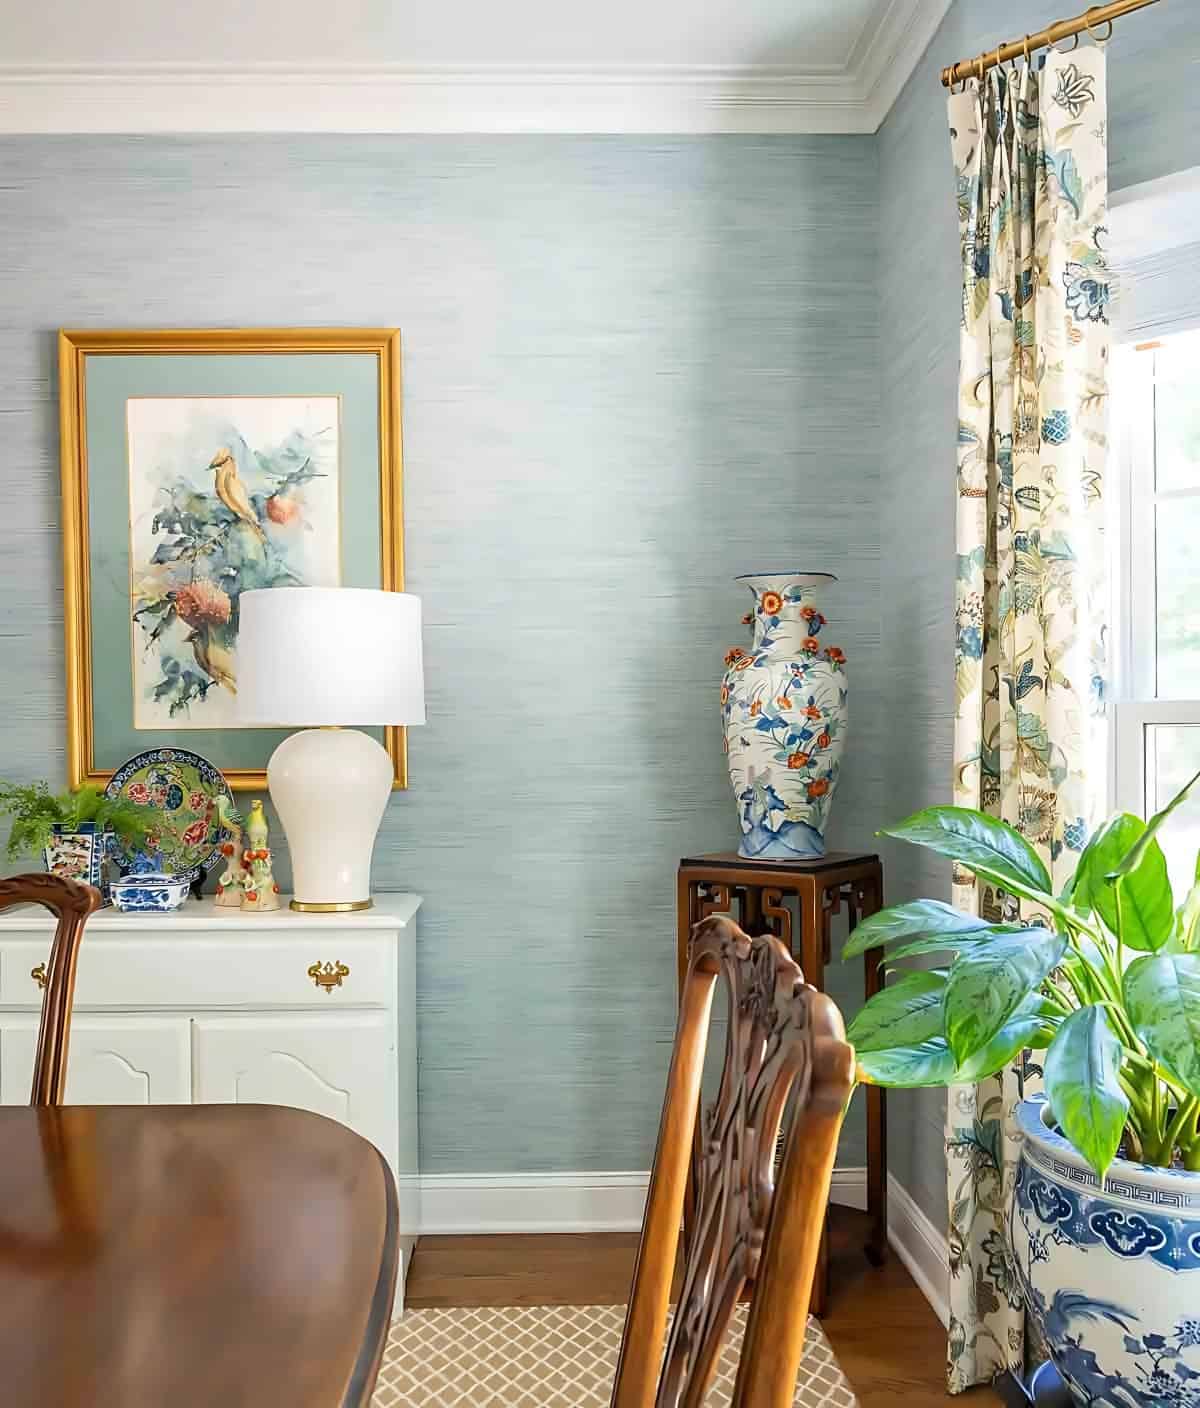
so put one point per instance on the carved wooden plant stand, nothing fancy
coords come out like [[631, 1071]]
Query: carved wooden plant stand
[[796, 901]]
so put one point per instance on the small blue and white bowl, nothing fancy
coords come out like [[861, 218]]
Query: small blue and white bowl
[[150, 892]]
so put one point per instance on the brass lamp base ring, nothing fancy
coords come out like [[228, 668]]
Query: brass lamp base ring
[[336, 907]]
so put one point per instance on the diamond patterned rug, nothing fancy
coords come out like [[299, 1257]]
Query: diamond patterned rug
[[552, 1357]]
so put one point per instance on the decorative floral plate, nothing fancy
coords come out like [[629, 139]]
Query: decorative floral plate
[[184, 788]]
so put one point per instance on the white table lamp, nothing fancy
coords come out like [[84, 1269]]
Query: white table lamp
[[320, 658]]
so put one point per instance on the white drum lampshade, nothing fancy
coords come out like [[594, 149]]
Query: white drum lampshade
[[317, 659]]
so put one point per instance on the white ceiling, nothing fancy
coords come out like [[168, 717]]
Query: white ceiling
[[805, 33], [457, 65]]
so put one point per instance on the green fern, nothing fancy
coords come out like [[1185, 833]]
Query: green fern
[[36, 811]]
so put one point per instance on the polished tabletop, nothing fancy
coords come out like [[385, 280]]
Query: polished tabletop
[[191, 1255]]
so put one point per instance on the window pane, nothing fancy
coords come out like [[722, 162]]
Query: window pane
[[1172, 757], [1177, 604], [1177, 412]]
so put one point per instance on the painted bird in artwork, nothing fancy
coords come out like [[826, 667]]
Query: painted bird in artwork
[[232, 492], [214, 659]]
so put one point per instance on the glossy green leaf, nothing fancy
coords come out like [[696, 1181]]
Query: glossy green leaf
[[910, 921], [1091, 867], [909, 1067], [947, 943], [904, 1013], [1134, 858], [987, 985], [1162, 995], [1085, 962], [1033, 1024], [1081, 1069], [1146, 904], [990, 848], [1187, 922]]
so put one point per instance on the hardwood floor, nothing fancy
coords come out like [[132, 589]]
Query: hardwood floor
[[889, 1342]]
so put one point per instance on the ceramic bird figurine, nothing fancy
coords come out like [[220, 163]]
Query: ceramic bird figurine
[[257, 831], [232, 492], [214, 659], [230, 885], [259, 890]]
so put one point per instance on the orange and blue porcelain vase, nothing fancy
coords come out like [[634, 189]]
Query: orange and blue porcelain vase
[[783, 704]]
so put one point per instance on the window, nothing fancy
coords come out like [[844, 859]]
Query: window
[[1156, 737]]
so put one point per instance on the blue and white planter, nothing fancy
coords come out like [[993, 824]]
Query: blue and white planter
[[783, 707], [79, 854], [1112, 1274]]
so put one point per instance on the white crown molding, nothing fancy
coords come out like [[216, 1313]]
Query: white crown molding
[[892, 51], [652, 99]]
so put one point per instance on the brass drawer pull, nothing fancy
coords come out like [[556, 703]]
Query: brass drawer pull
[[328, 975], [38, 975]]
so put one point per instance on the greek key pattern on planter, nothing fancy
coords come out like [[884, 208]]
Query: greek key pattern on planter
[[1114, 1186], [1088, 1221]]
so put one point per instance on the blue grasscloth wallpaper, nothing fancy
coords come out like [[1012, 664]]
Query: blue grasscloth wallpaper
[[1154, 129], [634, 367]]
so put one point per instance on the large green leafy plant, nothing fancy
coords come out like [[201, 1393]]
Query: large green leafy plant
[[1103, 977], [35, 811]]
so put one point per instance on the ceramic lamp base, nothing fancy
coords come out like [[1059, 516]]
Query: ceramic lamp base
[[330, 787]]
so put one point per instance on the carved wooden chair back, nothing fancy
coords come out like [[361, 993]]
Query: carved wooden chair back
[[71, 902], [784, 1039]]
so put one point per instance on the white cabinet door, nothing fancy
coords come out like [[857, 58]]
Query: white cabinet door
[[110, 1060], [342, 1065]]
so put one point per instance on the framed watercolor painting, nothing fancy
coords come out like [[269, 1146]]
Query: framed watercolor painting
[[197, 465]]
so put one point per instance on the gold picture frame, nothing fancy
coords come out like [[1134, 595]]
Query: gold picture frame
[[76, 348]]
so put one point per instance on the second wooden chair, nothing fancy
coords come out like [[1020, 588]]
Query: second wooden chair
[[71, 902], [784, 1040]]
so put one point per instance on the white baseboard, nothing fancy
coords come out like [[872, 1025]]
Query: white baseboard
[[484, 1203], [467, 1203], [472, 1203], [849, 1188], [922, 1248]]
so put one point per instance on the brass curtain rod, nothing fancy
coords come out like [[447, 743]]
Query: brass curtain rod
[[1043, 39]]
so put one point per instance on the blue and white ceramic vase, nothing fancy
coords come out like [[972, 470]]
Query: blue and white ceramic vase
[[783, 703], [1111, 1275]]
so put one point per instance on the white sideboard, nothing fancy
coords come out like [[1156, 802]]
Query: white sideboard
[[211, 1005]]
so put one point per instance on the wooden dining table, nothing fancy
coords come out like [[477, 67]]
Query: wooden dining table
[[191, 1256]]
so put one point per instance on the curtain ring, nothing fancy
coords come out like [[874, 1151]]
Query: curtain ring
[[1025, 48], [979, 67], [1071, 50], [1095, 38]]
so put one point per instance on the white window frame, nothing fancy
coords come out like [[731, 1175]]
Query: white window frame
[[1136, 708]]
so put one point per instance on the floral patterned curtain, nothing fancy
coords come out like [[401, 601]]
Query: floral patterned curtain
[[1031, 165]]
